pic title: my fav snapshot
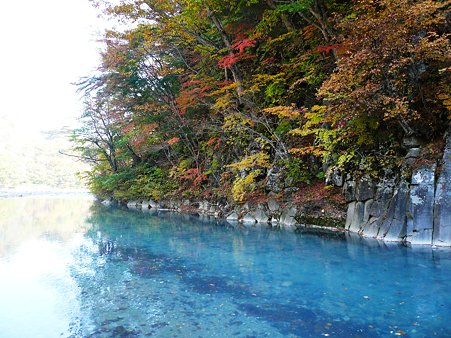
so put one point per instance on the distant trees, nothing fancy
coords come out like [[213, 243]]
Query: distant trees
[[198, 96]]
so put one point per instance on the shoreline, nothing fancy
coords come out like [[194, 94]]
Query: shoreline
[[287, 222]]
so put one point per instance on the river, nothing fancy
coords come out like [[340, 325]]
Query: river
[[72, 268]]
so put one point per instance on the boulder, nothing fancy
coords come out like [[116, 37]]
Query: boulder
[[232, 216], [413, 153], [411, 142], [107, 203], [132, 204], [334, 176], [273, 205], [249, 218], [153, 204], [364, 189], [145, 205], [260, 216], [288, 216]]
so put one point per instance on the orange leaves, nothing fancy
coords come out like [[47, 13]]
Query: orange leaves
[[173, 140], [290, 112], [308, 150], [215, 142], [194, 176]]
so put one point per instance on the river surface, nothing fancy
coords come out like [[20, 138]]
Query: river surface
[[71, 268]]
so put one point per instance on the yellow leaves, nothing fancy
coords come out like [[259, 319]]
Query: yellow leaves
[[313, 117], [236, 121], [290, 112], [243, 186], [258, 160], [309, 150], [260, 81]]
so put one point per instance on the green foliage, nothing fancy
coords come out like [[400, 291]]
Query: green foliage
[[297, 171]]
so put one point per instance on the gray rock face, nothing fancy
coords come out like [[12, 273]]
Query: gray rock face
[[411, 142], [249, 218], [107, 203], [288, 216], [350, 214], [349, 191], [260, 216], [132, 204], [384, 194], [442, 201], [413, 153], [421, 205], [232, 216], [367, 210], [334, 177], [145, 205], [276, 180], [364, 189], [424, 175], [273, 205], [357, 217], [371, 228], [397, 214], [153, 204]]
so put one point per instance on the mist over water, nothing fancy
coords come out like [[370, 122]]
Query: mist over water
[[72, 268]]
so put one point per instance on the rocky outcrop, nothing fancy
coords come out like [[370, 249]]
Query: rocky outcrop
[[442, 201], [415, 211]]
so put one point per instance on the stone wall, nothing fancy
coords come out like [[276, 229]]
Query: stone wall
[[415, 211]]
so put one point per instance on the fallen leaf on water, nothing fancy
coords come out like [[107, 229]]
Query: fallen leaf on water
[[400, 333]]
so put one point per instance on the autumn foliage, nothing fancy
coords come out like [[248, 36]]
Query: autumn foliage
[[206, 97]]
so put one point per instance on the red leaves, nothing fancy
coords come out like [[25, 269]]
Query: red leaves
[[328, 49], [194, 176], [214, 141], [240, 45]]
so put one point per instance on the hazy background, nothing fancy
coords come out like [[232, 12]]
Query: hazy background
[[46, 46]]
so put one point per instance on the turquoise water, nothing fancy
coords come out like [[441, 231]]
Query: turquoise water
[[70, 269]]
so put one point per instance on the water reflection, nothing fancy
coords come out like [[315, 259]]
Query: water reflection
[[39, 297], [97, 272], [28, 218]]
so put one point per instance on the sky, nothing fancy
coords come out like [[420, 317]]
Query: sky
[[46, 46]]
